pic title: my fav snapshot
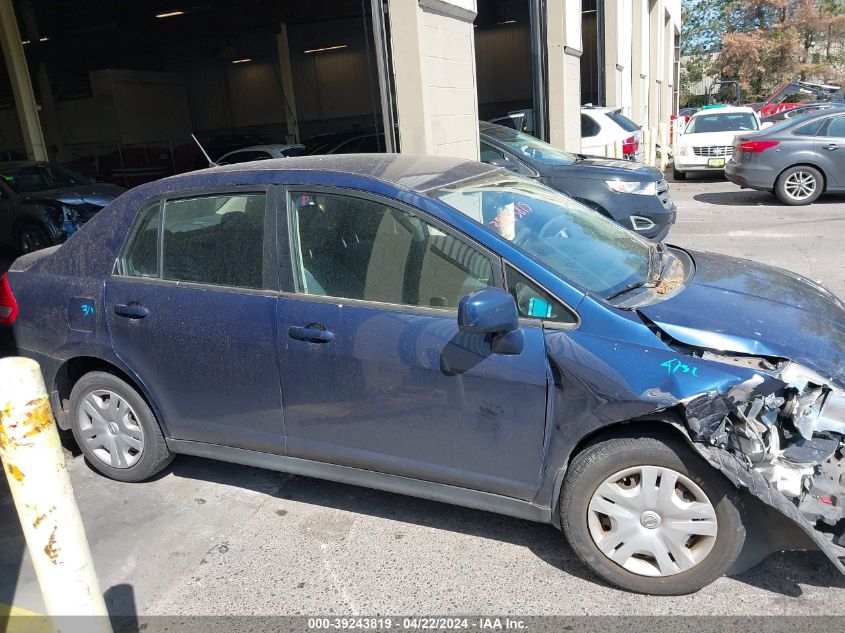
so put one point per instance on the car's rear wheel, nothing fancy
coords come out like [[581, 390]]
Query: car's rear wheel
[[30, 238], [799, 185], [116, 429], [649, 515]]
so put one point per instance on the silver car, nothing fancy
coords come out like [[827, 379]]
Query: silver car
[[797, 159]]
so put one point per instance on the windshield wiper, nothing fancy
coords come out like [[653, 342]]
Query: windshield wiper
[[653, 273]]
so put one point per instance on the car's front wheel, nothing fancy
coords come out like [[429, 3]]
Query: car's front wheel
[[116, 429], [30, 238], [799, 185], [649, 515]]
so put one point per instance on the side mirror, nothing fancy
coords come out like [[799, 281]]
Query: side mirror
[[503, 162], [492, 311]]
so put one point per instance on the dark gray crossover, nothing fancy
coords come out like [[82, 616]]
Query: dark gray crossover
[[797, 159], [634, 195]]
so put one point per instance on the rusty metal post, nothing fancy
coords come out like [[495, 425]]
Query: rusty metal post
[[34, 464]]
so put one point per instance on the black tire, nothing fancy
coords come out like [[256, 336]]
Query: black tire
[[784, 185], [31, 237], [678, 175], [596, 463], [154, 455]]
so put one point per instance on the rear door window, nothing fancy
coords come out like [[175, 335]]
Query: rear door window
[[835, 128], [141, 256], [215, 239]]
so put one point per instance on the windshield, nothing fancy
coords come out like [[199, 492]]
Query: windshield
[[722, 122], [575, 242], [525, 145], [43, 176]]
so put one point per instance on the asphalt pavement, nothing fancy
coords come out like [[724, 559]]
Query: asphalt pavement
[[213, 538]]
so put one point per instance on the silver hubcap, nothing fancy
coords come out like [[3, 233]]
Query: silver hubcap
[[653, 521], [110, 428], [800, 185]]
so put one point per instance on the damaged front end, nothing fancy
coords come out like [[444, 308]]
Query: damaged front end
[[781, 434]]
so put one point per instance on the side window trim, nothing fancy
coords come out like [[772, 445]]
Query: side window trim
[[545, 323], [287, 278], [270, 250]]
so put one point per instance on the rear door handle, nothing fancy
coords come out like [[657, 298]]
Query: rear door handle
[[832, 147], [313, 333], [131, 310]]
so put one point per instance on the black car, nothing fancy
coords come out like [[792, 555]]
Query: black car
[[634, 195], [42, 204]]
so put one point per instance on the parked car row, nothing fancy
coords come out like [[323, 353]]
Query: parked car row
[[798, 158]]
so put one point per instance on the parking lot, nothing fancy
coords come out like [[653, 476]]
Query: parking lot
[[215, 538]]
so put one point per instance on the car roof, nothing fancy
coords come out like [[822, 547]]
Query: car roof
[[725, 110], [410, 171]]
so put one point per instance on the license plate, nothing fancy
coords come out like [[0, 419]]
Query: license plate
[[716, 162]]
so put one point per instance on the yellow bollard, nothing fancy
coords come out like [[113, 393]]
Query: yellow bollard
[[32, 459]]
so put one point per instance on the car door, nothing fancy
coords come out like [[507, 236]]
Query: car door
[[830, 148], [191, 311], [376, 374]]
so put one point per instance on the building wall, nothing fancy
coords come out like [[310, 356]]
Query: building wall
[[433, 50]]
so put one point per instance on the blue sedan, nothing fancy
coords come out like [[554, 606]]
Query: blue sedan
[[451, 330]]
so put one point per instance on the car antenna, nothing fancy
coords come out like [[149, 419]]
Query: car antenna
[[211, 163]]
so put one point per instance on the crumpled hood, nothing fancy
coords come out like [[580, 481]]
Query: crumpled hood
[[735, 305], [611, 168], [98, 194]]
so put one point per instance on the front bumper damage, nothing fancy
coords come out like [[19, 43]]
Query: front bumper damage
[[781, 435]]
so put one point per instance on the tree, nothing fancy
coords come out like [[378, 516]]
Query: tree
[[763, 43], [782, 40]]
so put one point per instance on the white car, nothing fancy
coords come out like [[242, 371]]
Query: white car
[[601, 127], [707, 141], [261, 152]]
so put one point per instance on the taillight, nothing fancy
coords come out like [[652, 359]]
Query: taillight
[[630, 145], [755, 147], [8, 305]]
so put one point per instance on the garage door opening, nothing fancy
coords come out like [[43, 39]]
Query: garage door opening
[[121, 86]]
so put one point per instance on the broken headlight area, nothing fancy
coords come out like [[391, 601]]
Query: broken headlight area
[[785, 425]]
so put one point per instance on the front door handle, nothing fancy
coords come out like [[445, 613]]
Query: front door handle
[[313, 333], [132, 310], [832, 147]]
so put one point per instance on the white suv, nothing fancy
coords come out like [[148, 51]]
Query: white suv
[[707, 142], [604, 126]]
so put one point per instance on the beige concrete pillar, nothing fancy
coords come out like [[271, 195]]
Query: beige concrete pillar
[[655, 60], [639, 62], [564, 48], [288, 95], [433, 51], [10, 39], [612, 50]]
